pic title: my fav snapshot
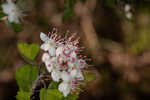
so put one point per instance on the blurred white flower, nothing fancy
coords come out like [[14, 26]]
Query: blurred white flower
[[129, 15], [12, 10], [48, 45], [127, 7]]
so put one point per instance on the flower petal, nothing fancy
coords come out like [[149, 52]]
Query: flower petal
[[73, 73], [79, 76], [45, 57], [59, 50], [45, 46], [49, 67], [55, 75], [52, 51], [44, 37], [13, 18], [81, 63], [64, 88], [65, 76]]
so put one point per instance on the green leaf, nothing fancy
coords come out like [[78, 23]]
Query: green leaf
[[72, 97], [50, 94], [89, 76], [22, 95], [29, 51], [53, 85], [25, 76], [16, 27]]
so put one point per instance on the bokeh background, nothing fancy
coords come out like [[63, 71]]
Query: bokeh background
[[118, 43]]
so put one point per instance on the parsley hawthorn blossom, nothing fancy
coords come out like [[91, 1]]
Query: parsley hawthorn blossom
[[62, 60], [48, 45], [12, 10]]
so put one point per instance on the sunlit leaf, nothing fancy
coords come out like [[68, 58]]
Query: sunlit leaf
[[22, 95], [72, 97], [25, 76], [53, 85], [50, 94], [30, 51]]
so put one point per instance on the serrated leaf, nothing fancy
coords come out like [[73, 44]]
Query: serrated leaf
[[53, 85], [30, 51], [25, 76], [72, 97], [16, 27], [22, 95], [50, 94], [89, 76]]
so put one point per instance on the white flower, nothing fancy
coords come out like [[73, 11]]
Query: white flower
[[67, 84], [53, 67], [56, 75], [127, 8], [65, 88], [59, 50], [48, 45], [79, 75], [129, 15], [75, 67], [45, 57], [12, 10], [81, 63], [76, 73], [73, 73], [62, 61], [65, 76]]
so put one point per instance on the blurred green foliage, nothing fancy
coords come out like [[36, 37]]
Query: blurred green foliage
[[68, 11], [16, 27], [109, 3]]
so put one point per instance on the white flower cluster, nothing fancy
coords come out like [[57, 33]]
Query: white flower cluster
[[62, 61], [128, 12], [12, 10]]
